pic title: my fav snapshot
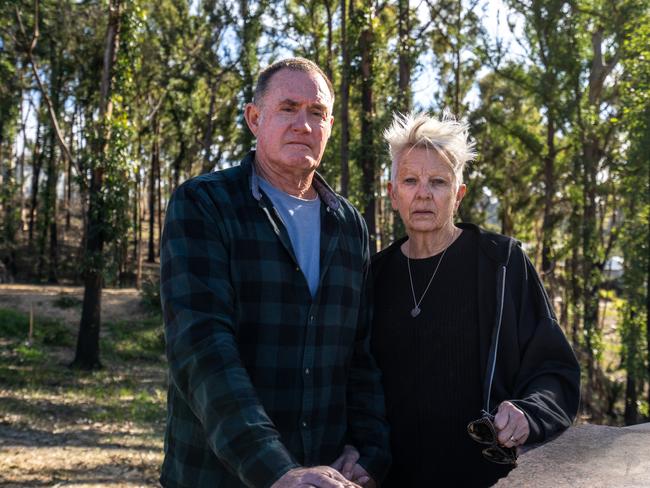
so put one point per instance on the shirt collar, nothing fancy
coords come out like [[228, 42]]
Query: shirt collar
[[324, 191]]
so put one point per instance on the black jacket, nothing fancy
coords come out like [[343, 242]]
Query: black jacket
[[524, 353]]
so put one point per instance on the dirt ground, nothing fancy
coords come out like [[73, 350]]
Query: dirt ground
[[51, 436], [117, 304]]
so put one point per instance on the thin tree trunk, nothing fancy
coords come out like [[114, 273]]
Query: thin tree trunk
[[151, 256], [330, 41], [345, 103], [367, 158], [548, 222], [137, 231], [37, 164], [68, 190], [647, 296], [631, 396], [208, 164], [160, 200], [404, 56]]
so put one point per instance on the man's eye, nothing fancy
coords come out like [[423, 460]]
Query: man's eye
[[287, 109], [409, 180]]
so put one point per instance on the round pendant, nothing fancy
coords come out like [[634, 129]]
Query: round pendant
[[415, 311]]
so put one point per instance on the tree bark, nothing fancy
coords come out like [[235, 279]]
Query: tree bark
[[37, 164], [155, 162], [367, 157], [345, 103]]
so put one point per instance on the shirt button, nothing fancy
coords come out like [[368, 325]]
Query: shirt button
[[307, 371], [297, 268], [311, 318], [304, 424]]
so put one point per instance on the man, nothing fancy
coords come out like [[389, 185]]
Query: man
[[263, 276]]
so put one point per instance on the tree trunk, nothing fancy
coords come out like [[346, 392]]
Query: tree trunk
[[367, 157], [151, 256], [37, 164], [208, 165], [87, 353], [137, 232], [248, 62], [345, 103], [647, 294], [548, 222], [330, 41], [631, 396], [404, 56]]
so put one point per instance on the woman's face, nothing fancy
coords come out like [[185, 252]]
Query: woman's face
[[425, 192]]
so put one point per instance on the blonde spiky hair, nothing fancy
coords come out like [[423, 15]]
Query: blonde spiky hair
[[448, 136]]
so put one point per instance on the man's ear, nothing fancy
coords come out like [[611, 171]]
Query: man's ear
[[252, 116]]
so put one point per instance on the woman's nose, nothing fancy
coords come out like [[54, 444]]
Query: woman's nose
[[424, 190]]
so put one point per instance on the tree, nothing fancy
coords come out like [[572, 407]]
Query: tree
[[107, 148]]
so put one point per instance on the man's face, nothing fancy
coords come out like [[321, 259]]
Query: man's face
[[292, 122]]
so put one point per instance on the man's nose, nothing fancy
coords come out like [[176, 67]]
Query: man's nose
[[301, 121]]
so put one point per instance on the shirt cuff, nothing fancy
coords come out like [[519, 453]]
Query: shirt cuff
[[266, 465]]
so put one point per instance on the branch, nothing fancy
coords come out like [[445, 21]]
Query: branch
[[39, 82]]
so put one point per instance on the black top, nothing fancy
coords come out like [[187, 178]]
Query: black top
[[431, 369]]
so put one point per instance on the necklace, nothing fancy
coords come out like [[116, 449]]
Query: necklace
[[415, 311]]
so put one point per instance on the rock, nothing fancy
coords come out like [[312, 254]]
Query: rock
[[593, 456]]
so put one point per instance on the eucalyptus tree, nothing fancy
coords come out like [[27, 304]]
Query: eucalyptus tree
[[454, 37], [11, 91], [635, 116], [108, 168]]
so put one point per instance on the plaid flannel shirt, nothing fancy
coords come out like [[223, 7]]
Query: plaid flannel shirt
[[263, 378]]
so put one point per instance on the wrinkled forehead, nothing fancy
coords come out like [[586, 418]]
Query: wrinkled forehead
[[300, 87], [425, 153]]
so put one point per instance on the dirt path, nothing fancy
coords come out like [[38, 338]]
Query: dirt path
[[117, 304], [66, 428]]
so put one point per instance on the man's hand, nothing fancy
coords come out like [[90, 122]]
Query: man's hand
[[347, 465], [511, 425], [316, 477]]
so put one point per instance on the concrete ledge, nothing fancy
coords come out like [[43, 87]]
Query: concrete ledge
[[589, 456]]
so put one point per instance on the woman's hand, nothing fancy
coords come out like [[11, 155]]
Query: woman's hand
[[347, 465], [511, 425]]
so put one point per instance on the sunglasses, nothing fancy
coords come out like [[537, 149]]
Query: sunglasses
[[483, 432]]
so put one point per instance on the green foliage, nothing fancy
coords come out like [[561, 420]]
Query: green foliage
[[141, 340], [150, 295], [15, 326]]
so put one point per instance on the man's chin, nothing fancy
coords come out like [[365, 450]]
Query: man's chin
[[302, 161]]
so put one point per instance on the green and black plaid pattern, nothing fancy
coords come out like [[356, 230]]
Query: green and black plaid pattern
[[263, 378]]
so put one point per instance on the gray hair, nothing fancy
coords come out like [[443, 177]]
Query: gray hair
[[447, 136], [291, 64]]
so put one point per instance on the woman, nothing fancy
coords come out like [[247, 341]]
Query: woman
[[463, 328]]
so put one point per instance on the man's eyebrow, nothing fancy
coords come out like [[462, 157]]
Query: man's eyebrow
[[293, 103], [290, 102]]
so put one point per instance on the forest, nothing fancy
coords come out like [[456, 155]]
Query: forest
[[106, 106]]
